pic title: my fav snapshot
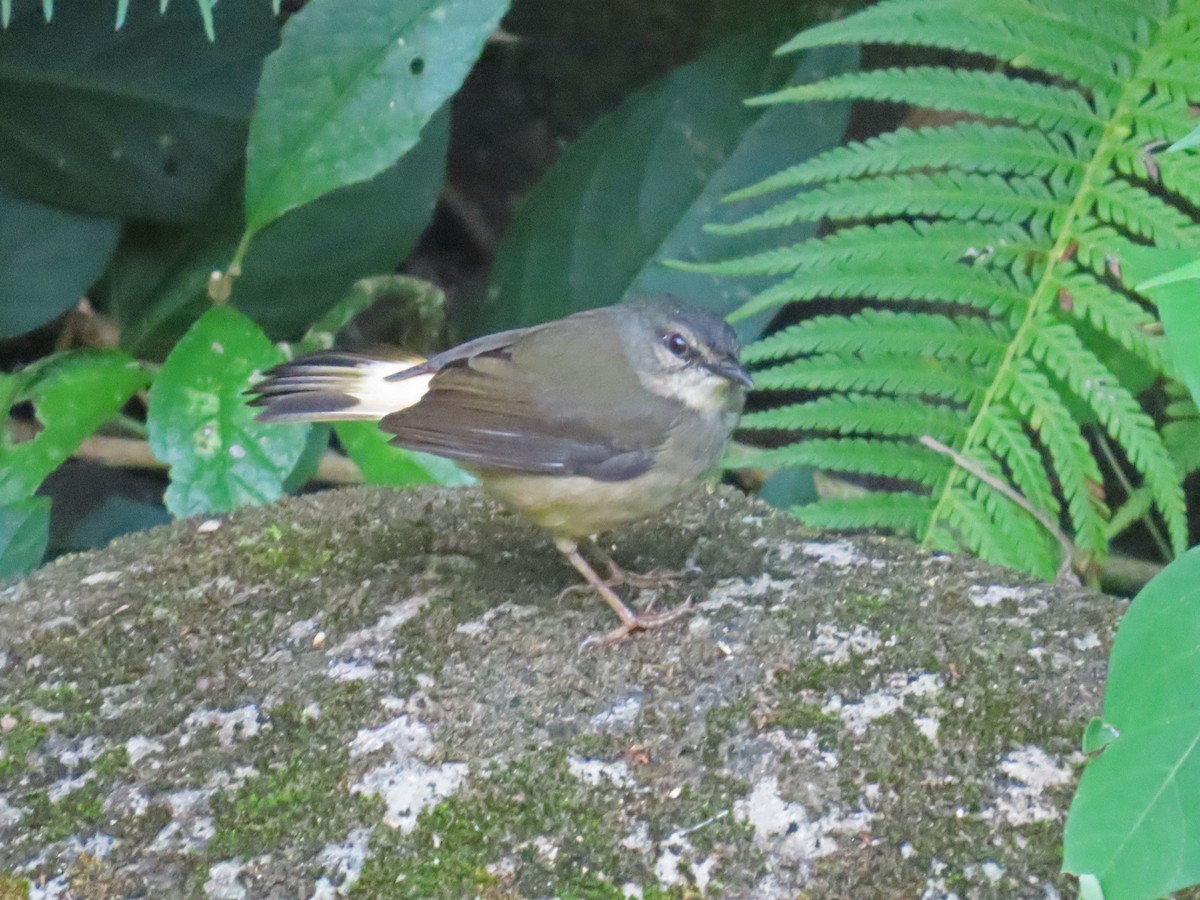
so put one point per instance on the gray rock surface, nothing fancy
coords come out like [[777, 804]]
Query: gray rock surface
[[379, 694]]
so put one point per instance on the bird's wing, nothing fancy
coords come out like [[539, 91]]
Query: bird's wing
[[556, 399]]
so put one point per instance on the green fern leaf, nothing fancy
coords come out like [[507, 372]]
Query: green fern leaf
[[995, 528], [887, 372], [1063, 353], [1010, 30], [986, 94], [1079, 475], [1176, 173], [974, 287], [894, 241], [1115, 315], [951, 195], [970, 146], [1005, 436], [1140, 212], [904, 461], [971, 340], [863, 414], [897, 511], [980, 263], [1182, 440]]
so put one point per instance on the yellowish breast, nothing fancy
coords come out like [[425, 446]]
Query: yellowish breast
[[575, 506]]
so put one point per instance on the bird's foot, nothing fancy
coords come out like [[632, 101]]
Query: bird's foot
[[643, 622], [618, 575], [658, 578], [630, 620]]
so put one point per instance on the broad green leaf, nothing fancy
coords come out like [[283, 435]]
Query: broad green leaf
[[72, 394], [381, 463], [48, 258], [1163, 275], [1134, 824], [141, 122], [639, 187], [200, 425], [297, 269], [1188, 272], [1189, 140], [24, 531], [349, 91]]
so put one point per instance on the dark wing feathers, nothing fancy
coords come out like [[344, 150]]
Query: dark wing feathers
[[556, 399]]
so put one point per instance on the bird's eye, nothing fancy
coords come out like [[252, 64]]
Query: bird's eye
[[676, 343]]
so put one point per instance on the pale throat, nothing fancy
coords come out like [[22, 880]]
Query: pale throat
[[697, 389]]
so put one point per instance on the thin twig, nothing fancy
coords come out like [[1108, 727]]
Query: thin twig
[[133, 453], [1164, 547], [965, 462]]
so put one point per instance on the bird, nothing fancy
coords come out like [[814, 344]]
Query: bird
[[581, 425]]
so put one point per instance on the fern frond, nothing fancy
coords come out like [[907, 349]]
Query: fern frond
[[970, 146], [887, 373], [863, 414], [1005, 436], [1079, 475], [972, 340], [1006, 29], [994, 527], [984, 94], [894, 241], [1140, 212], [1176, 175], [1050, 180], [896, 511], [904, 461], [980, 288], [1059, 348], [1182, 440], [952, 195], [1114, 314]]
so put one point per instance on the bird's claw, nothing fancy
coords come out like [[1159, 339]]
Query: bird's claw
[[644, 622]]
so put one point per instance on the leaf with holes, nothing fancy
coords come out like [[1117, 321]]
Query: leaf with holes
[[72, 395], [200, 425], [1133, 824], [349, 90]]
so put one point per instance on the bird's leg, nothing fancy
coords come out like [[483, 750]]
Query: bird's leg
[[619, 575], [630, 621]]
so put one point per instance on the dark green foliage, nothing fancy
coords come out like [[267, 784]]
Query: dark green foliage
[[147, 131], [638, 188], [980, 262]]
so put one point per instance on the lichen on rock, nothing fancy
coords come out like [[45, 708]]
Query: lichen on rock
[[382, 694]]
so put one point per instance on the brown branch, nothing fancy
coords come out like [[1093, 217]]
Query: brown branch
[[964, 462], [134, 453]]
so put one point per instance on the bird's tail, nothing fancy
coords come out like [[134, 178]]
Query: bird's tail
[[337, 386]]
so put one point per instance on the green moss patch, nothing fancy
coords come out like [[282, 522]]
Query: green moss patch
[[502, 816]]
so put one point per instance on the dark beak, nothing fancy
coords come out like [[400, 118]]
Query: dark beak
[[732, 370]]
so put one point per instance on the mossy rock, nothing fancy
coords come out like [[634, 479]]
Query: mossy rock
[[383, 694]]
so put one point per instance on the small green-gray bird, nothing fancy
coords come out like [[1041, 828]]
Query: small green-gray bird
[[581, 425]]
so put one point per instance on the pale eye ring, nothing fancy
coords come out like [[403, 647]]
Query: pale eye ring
[[676, 343]]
